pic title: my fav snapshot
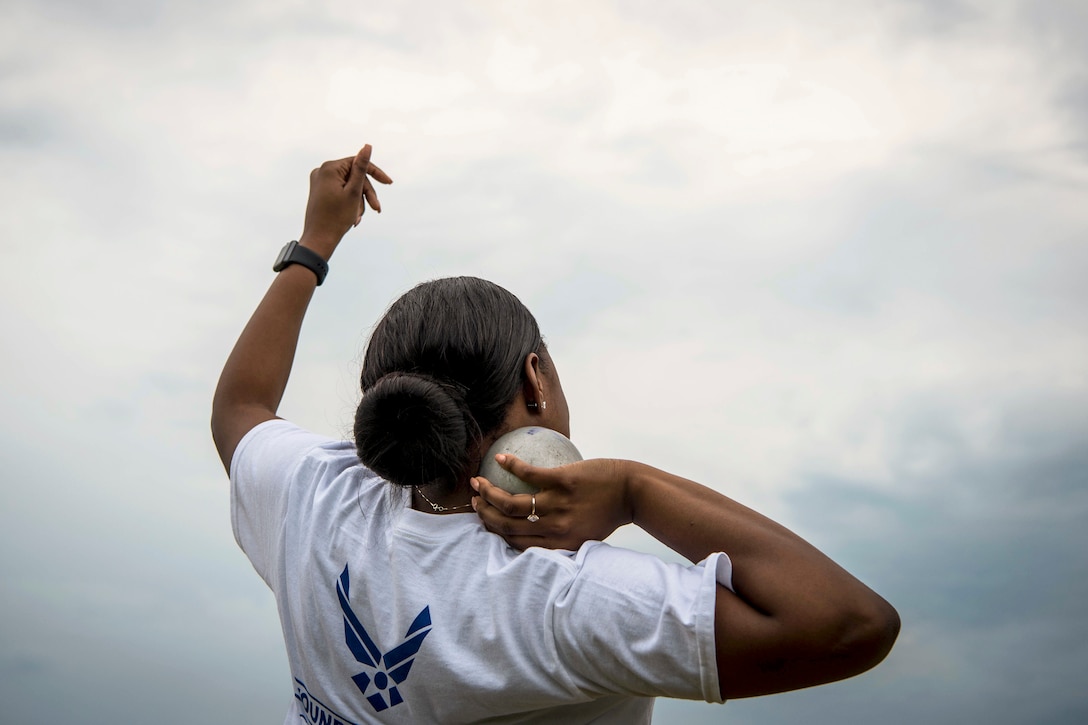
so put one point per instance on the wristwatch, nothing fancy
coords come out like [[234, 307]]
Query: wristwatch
[[294, 253]]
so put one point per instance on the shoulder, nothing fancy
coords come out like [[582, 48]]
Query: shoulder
[[646, 577], [279, 446], [277, 462], [662, 612], [600, 580]]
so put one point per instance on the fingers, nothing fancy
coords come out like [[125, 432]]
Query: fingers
[[503, 512], [575, 503], [355, 179], [371, 197], [518, 532], [536, 477], [359, 181], [378, 174], [504, 502], [361, 162], [508, 514]]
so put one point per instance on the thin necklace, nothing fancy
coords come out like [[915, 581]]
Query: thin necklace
[[438, 509]]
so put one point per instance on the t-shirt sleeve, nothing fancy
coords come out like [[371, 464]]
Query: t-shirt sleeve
[[260, 478], [633, 624]]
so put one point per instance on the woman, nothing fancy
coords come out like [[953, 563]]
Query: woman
[[399, 603]]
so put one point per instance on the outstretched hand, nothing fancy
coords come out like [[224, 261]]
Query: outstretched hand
[[339, 194], [579, 502]]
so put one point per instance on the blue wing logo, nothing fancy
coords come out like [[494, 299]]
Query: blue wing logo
[[385, 671]]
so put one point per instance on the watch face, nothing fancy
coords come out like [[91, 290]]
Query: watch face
[[283, 257]]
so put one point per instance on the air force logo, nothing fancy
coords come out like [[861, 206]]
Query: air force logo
[[388, 670]]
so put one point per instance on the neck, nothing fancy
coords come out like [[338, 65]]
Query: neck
[[435, 500], [458, 499]]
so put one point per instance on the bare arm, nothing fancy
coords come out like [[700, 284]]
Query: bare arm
[[796, 618], [255, 375]]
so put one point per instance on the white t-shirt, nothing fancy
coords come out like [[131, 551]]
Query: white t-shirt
[[391, 615]]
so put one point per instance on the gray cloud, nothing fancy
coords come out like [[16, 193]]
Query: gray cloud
[[881, 343]]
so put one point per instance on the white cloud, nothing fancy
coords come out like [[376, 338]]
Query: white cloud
[[764, 239]]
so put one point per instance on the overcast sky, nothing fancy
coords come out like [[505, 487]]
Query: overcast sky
[[827, 257]]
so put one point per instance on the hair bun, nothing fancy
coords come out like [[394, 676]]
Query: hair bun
[[414, 430]]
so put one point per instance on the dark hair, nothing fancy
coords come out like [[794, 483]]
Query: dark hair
[[441, 368]]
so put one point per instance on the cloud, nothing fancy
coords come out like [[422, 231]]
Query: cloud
[[824, 258]]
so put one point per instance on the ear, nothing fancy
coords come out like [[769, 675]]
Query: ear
[[533, 387]]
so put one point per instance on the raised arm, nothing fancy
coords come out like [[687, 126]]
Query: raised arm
[[795, 618], [255, 375]]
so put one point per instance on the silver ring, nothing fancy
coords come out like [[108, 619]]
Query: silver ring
[[532, 517]]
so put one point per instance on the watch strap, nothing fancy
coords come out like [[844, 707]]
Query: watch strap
[[295, 253]]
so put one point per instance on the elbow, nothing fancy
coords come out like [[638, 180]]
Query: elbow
[[866, 635], [219, 437], [218, 421]]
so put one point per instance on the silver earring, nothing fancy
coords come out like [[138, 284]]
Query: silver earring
[[543, 405], [531, 406]]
